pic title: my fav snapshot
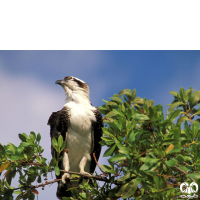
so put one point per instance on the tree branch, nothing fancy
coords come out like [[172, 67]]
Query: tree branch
[[184, 172], [98, 164], [74, 178], [99, 178]]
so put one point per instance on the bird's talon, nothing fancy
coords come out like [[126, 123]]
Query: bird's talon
[[85, 173], [65, 177]]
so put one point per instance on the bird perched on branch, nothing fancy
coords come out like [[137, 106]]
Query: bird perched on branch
[[80, 125]]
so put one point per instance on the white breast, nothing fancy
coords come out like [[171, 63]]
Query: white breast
[[79, 139]]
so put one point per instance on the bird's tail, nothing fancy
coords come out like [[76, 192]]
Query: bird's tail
[[63, 190]]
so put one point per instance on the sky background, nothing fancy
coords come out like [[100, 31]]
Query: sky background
[[29, 94]]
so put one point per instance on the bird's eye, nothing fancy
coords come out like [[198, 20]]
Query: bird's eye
[[68, 78]]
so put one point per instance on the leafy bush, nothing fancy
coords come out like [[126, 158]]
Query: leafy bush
[[149, 154]]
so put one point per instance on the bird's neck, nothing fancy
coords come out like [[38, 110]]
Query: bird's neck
[[79, 97]]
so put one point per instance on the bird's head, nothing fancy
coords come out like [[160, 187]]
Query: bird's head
[[74, 87]]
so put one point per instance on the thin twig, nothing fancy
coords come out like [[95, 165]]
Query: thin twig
[[41, 185], [5, 176], [98, 164], [23, 194], [184, 172]]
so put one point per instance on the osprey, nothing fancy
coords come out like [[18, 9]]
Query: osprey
[[80, 125]]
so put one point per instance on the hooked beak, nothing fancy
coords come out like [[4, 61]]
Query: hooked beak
[[59, 82]]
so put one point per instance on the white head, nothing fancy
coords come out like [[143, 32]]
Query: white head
[[75, 89]]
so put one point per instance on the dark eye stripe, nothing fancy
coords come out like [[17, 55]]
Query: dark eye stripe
[[80, 84]]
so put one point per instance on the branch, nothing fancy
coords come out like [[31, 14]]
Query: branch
[[184, 172], [41, 185], [99, 178], [98, 164], [57, 180]]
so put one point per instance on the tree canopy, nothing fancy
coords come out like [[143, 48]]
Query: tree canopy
[[149, 154]]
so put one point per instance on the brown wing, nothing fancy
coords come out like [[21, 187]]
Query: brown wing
[[59, 123], [96, 138]]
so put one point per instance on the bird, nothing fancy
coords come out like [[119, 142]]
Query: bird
[[80, 124]]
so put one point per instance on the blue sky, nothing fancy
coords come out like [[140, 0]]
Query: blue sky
[[29, 93]]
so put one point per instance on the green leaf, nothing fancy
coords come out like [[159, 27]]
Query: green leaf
[[54, 143], [174, 151], [185, 168], [149, 163], [19, 149], [2, 150], [22, 137], [109, 151], [105, 101], [30, 141], [129, 113], [124, 150], [172, 106], [114, 113], [171, 163], [38, 159], [117, 99], [174, 93], [151, 103], [12, 147], [195, 128], [106, 131], [107, 169], [195, 176], [157, 181], [112, 103], [25, 135], [60, 141], [57, 170], [151, 112], [132, 137], [18, 192], [138, 100], [117, 157], [194, 98], [33, 136], [126, 176], [24, 144], [182, 119], [182, 93], [63, 146], [39, 180], [38, 137], [53, 162], [108, 120], [187, 131], [174, 114], [127, 92], [140, 117], [104, 110], [128, 189], [133, 93], [14, 157]]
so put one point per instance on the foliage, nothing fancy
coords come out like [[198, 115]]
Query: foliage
[[149, 154], [28, 162]]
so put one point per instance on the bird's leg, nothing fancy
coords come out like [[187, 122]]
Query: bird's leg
[[65, 166], [82, 166]]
